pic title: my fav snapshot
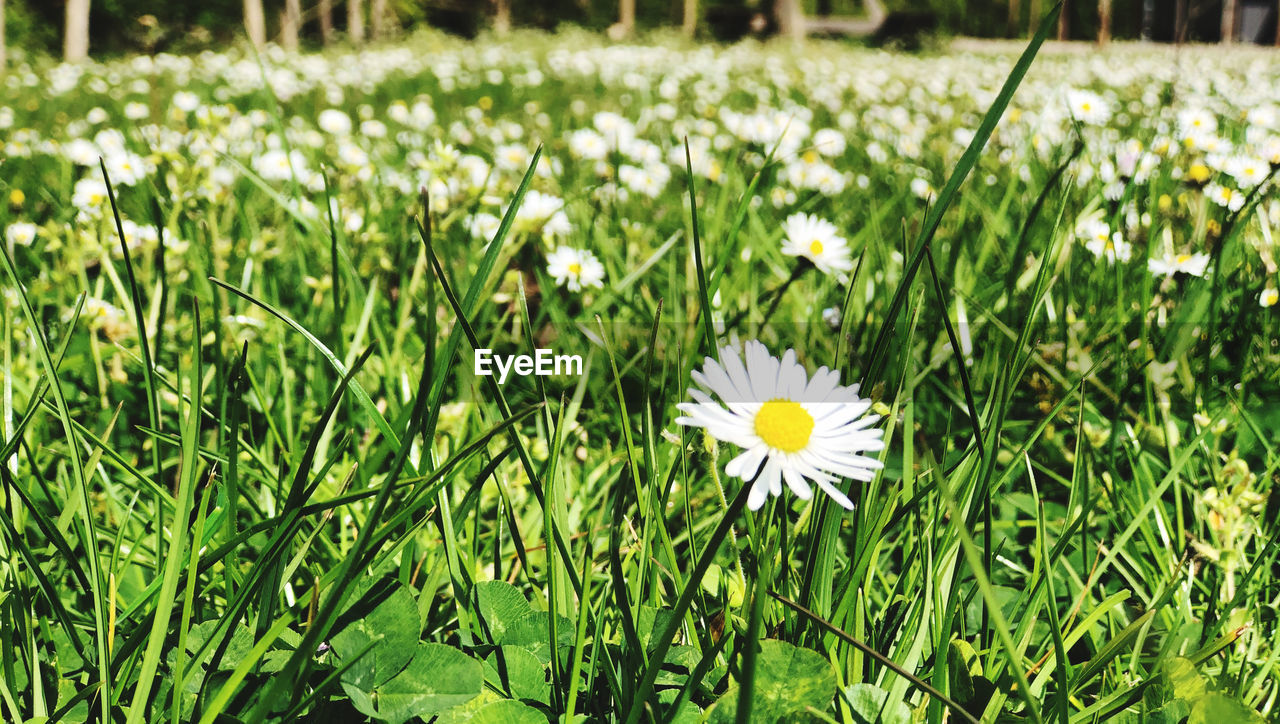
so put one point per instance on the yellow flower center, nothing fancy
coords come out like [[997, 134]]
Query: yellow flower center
[[1086, 106], [784, 425], [575, 269], [810, 157], [816, 247], [1184, 258]]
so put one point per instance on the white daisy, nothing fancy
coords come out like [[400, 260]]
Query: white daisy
[[185, 101], [1088, 107], [1193, 264], [818, 241], [1196, 123], [1269, 297], [587, 143], [790, 427], [1247, 171], [829, 142], [649, 180], [483, 226], [575, 268], [334, 122], [89, 195], [1101, 242], [1113, 249], [1224, 196], [20, 233], [536, 209]]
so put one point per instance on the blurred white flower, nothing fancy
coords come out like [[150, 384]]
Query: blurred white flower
[[20, 233], [1170, 264], [1224, 196], [334, 122], [1088, 107], [136, 111], [575, 268], [829, 142], [186, 101]]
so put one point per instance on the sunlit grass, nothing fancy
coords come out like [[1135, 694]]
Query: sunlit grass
[[249, 474]]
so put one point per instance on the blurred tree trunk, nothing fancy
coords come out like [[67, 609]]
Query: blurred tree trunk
[[290, 19], [502, 16], [1034, 23], [690, 24], [1015, 13], [378, 19], [1180, 21], [355, 21], [324, 10], [627, 16], [1104, 22], [255, 23], [1148, 19], [1228, 21], [1064, 21], [4, 52], [790, 18], [75, 44]]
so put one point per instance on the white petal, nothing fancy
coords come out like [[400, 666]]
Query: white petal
[[759, 493], [746, 464], [796, 483]]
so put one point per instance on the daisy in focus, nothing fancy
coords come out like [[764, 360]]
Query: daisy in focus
[[575, 268], [818, 241], [790, 427]]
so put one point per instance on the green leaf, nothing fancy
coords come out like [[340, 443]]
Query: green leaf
[[1183, 680], [1171, 713], [789, 679], [962, 665], [688, 713], [381, 636], [438, 678], [650, 618], [505, 712], [502, 606], [463, 712], [515, 670], [237, 648], [533, 632], [871, 705], [1218, 708]]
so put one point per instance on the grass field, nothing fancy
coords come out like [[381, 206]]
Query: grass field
[[249, 472]]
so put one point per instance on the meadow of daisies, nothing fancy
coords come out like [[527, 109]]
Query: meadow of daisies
[[914, 388]]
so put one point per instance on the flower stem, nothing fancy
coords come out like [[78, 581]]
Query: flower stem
[[663, 639]]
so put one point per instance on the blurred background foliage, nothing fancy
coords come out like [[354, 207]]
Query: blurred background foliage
[[121, 26]]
